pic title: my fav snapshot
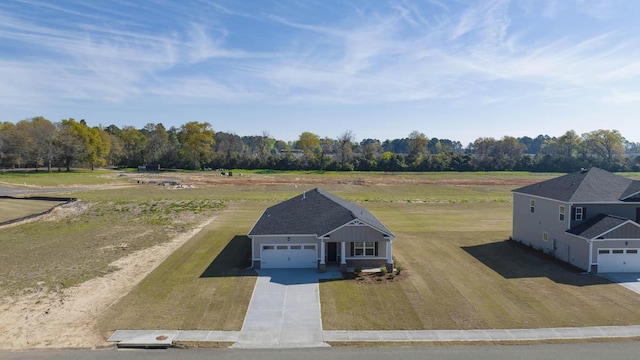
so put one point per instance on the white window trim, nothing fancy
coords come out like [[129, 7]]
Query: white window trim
[[579, 214], [532, 206], [545, 236], [364, 246], [561, 213]]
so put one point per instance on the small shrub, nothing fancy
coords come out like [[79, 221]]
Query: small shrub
[[391, 276], [357, 270], [399, 269], [383, 270]]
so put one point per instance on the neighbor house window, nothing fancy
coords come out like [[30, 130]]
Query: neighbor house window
[[579, 213], [561, 213], [545, 236], [365, 248], [532, 206]]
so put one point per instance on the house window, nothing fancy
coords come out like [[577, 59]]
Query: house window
[[579, 213], [532, 206], [365, 248], [561, 213], [545, 236]]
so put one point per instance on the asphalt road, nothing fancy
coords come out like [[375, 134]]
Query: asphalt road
[[577, 351]]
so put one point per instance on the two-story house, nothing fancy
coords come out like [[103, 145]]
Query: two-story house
[[590, 219]]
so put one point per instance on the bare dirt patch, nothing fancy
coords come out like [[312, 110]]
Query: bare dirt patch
[[67, 317]]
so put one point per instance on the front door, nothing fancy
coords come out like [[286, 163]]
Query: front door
[[332, 252]]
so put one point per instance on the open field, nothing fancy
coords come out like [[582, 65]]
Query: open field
[[203, 285], [462, 274], [451, 228], [14, 208]]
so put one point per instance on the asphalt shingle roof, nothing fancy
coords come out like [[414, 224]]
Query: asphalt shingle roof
[[594, 185], [597, 225], [313, 212]]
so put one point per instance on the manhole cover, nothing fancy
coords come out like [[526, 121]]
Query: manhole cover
[[162, 337]]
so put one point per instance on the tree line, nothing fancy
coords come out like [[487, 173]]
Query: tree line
[[41, 143]]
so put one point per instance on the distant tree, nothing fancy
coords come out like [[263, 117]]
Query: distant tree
[[370, 148], [309, 144], [43, 133], [69, 142], [417, 143], [606, 147], [397, 146], [157, 143], [228, 147], [134, 143], [197, 141], [345, 142], [265, 147]]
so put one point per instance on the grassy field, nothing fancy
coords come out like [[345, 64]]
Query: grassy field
[[78, 241], [15, 208], [203, 285], [451, 229], [76, 177], [462, 274]]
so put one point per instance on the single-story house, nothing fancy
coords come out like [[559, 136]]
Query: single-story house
[[590, 219], [316, 229]]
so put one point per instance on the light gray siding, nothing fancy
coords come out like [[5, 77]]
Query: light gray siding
[[357, 233], [573, 250], [528, 227], [627, 211], [627, 231]]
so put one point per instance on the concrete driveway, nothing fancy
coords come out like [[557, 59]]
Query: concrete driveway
[[284, 311], [629, 280]]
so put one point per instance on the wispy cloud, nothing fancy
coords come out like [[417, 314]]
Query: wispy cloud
[[373, 52]]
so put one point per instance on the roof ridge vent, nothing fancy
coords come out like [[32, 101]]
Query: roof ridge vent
[[304, 195]]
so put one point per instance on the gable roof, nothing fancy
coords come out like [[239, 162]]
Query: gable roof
[[593, 185], [597, 226], [313, 212]]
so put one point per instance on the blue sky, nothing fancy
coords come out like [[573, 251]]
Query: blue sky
[[451, 69]]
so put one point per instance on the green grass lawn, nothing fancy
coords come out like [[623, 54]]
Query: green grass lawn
[[15, 208], [462, 274], [76, 177], [203, 285]]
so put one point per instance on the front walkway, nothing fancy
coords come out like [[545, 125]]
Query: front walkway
[[284, 311]]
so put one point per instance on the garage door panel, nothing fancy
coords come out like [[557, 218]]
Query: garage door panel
[[288, 256], [618, 260]]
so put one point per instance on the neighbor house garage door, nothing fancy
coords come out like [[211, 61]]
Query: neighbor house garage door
[[618, 260], [289, 256]]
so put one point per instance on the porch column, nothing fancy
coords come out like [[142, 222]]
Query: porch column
[[389, 256], [322, 267], [343, 256]]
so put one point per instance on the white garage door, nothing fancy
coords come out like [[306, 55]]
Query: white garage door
[[289, 256], [618, 260]]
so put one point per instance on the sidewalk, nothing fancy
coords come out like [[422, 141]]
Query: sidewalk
[[592, 332], [569, 333]]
